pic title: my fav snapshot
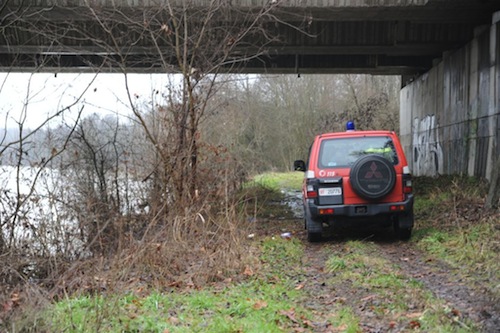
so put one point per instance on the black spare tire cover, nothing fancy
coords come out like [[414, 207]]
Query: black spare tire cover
[[372, 177]]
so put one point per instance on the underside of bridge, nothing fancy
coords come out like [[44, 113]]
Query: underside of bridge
[[390, 37]]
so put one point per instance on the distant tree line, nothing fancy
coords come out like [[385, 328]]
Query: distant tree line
[[264, 121]]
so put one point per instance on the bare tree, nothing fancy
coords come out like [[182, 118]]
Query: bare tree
[[371, 102], [198, 43], [290, 111], [21, 152]]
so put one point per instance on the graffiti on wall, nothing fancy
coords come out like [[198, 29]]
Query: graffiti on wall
[[427, 151]]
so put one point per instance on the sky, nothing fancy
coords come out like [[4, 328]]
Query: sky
[[44, 94]]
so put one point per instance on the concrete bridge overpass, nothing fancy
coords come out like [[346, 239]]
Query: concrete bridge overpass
[[447, 50], [403, 37]]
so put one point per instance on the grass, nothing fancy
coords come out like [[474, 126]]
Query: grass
[[345, 320], [383, 290], [278, 181], [266, 301], [453, 226], [267, 297], [472, 250], [264, 194]]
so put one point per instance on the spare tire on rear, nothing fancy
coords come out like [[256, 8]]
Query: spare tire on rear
[[372, 177]]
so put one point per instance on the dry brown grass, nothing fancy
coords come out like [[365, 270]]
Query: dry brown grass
[[188, 250], [187, 245]]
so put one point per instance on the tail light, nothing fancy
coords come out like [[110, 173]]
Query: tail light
[[407, 183], [397, 208], [407, 186], [311, 192], [326, 211]]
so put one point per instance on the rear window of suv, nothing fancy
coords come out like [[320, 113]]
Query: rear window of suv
[[343, 152]]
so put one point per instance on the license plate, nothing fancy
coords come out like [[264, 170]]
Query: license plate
[[330, 191]]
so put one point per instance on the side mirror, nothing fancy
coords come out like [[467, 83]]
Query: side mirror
[[299, 165]]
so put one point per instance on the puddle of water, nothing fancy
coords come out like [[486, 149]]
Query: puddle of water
[[293, 199]]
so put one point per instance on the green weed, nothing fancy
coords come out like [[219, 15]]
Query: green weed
[[474, 250], [279, 180], [453, 226], [345, 320]]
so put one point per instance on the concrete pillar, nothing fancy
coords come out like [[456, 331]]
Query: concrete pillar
[[473, 105], [492, 106]]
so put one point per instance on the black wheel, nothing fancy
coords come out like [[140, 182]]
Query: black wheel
[[403, 226], [314, 237], [372, 177], [314, 230], [403, 233]]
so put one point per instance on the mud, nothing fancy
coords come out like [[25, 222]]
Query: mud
[[466, 295], [468, 298]]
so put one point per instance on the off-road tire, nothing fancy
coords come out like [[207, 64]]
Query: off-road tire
[[314, 237], [404, 233]]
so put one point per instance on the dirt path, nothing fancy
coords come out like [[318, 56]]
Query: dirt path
[[468, 297], [466, 301], [465, 297]]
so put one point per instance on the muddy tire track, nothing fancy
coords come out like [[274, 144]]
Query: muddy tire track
[[324, 297], [469, 298], [468, 301]]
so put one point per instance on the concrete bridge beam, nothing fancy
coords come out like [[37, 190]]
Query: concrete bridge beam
[[403, 37]]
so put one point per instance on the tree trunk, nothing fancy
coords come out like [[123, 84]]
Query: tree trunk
[[494, 191], [2, 242]]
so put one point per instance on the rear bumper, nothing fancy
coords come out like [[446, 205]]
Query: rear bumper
[[362, 210]]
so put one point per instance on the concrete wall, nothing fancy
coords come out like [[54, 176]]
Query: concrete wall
[[450, 120]]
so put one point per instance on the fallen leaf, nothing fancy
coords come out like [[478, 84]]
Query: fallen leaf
[[15, 299], [137, 302], [307, 322], [340, 300], [341, 328], [368, 298], [290, 314], [414, 324], [7, 306], [414, 315], [259, 305], [174, 284], [248, 271], [189, 283], [299, 287]]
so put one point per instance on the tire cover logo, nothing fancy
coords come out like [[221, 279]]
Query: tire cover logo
[[373, 172]]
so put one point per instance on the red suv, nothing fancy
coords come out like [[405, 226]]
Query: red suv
[[356, 177]]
